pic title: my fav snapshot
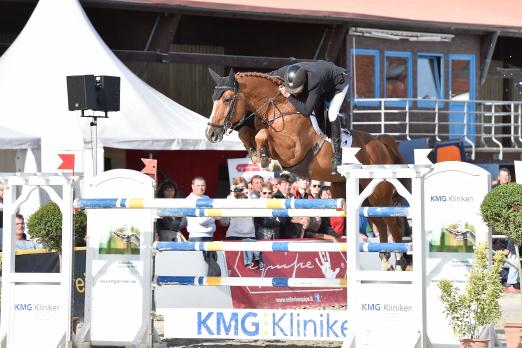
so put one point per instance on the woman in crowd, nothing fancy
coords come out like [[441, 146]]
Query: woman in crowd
[[168, 228]]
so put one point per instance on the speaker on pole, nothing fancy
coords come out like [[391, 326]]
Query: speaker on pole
[[81, 92]]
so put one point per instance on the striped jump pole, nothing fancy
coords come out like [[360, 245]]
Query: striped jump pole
[[161, 203], [251, 281], [386, 247], [279, 246], [234, 212], [384, 211]]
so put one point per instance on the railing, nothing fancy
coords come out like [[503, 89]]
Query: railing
[[484, 124]]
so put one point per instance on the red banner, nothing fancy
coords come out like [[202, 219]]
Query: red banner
[[288, 265]]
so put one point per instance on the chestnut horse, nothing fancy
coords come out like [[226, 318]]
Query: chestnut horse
[[285, 135]]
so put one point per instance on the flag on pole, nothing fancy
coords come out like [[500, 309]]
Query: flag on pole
[[151, 167], [67, 162]]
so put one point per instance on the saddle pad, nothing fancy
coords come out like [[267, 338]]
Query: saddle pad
[[346, 136]]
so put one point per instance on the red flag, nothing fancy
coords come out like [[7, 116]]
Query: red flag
[[67, 162], [151, 167]]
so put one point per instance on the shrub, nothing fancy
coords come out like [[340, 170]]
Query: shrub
[[478, 304], [501, 210], [45, 226]]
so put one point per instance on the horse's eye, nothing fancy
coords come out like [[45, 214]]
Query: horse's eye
[[227, 100]]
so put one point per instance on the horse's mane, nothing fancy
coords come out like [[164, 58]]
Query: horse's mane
[[272, 78]]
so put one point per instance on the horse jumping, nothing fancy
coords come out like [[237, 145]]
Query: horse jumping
[[285, 135]]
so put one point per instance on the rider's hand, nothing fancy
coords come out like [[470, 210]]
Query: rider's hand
[[283, 91]]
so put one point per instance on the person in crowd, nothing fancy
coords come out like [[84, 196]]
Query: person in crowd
[[315, 188], [513, 276], [275, 184], [308, 85], [255, 186], [239, 184], [202, 228], [290, 227], [242, 228], [302, 189], [168, 228], [199, 228], [338, 223], [21, 241], [267, 228], [504, 177]]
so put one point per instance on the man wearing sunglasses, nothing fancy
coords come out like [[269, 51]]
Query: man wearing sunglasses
[[267, 228]]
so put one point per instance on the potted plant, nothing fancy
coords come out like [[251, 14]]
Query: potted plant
[[476, 306], [502, 211], [45, 226]]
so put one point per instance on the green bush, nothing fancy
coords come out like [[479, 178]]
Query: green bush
[[478, 304], [45, 226], [501, 210]]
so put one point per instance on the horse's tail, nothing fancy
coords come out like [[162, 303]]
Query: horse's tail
[[393, 148]]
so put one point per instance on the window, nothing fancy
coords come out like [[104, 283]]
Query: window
[[398, 76], [430, 79], [365, 72]]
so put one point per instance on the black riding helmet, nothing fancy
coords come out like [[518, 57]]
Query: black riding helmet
[[295, 78]]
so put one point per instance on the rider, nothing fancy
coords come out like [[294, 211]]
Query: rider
[[308, 84]]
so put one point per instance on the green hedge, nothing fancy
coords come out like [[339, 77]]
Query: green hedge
[[45, 226], [502, 211]]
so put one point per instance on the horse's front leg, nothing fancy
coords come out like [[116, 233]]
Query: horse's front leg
[[262, 147], [247, 136]]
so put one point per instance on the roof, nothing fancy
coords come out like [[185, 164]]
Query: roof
[[501, 14]]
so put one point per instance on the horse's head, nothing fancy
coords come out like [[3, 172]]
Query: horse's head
[[228, 108]]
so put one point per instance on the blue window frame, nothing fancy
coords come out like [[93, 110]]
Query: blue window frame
[[365, 68], [430, 79], [398, 74]]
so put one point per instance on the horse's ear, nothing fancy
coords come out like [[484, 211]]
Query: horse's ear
[[215, 76], [232, 75]]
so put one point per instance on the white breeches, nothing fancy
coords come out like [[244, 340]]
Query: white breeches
[[336, 103]]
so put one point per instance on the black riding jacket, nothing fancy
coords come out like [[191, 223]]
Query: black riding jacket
[[324, 80]]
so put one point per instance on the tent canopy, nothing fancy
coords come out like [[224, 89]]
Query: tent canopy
[[12, 139], [35, 90]]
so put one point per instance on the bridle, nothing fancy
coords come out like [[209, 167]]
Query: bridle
[[227, 124]]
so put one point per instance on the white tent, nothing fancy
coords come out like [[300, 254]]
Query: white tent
[[59, 40], [13, 139]]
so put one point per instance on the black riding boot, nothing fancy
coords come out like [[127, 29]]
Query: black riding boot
[[335, 127]]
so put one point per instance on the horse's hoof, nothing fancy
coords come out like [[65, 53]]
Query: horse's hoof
[[401, 264]]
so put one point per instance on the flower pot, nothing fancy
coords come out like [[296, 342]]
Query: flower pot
[[474, 343], [513, 335]]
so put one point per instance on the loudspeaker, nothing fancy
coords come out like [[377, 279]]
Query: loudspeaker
[[81, 92], [107, 93]]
